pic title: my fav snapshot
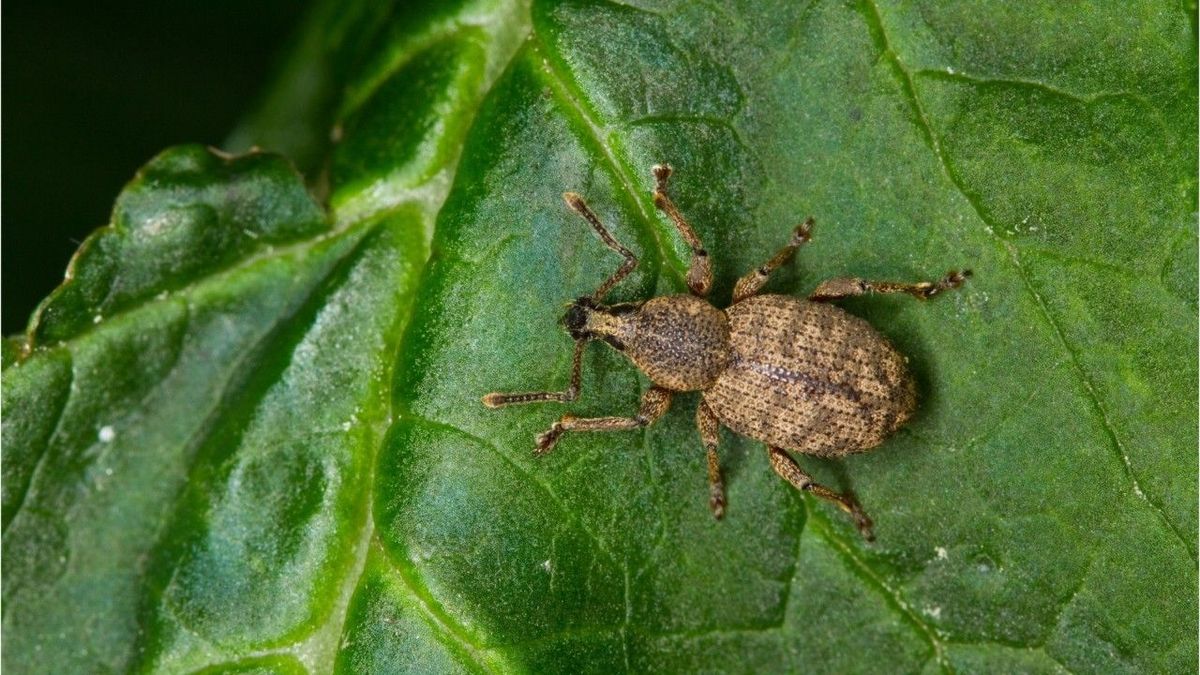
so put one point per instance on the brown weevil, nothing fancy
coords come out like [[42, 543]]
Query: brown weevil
[[800, 375]]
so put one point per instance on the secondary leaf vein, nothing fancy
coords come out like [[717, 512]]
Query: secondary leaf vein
[[875, 25]]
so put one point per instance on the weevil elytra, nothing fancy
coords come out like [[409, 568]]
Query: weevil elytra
[[799, 375]]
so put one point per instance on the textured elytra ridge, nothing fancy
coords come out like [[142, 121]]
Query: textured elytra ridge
[[302, 478], [845, 389]]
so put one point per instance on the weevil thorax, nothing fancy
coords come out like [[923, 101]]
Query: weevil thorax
[[681, 342]]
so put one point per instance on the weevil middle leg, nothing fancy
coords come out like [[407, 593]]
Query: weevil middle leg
[[655, 403], [845, 287], [785, 466], [710, 428], [753, 281]]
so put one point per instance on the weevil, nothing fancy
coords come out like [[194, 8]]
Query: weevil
[[800, 375]]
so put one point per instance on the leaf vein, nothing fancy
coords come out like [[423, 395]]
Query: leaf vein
[[1098, 407], [594, 133], [893, 597], [42, 458], [437, 617], [875, 25], [595, 539], [227, 406]]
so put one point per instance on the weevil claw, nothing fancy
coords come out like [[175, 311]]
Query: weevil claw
[[803, 232], [547, 440], [717, 504], [863, 523], [927, 289]]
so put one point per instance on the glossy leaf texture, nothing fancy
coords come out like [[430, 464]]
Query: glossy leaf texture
[[245, 435]]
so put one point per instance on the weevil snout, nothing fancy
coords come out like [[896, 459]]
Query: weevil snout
[[587, 319], [576, 318]]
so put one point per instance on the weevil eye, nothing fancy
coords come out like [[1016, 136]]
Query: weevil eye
[[576, 317]]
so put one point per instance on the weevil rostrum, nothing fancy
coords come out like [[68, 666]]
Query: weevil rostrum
[[800, 375]]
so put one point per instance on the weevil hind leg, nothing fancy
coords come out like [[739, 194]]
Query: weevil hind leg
[[655, 403], [710, 427], [699, 275], [785, 466], [753, 281], [845, 287]]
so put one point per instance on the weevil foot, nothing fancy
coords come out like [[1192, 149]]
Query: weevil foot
[[862, 522], [547, 440], [953, 279], [850, 505], [803, 232], [716, 500], [662, 172]]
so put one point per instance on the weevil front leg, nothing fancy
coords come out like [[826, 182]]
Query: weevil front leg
[[654, 403], [710, 429], [752, 282], [499, 400], [787, 467], [699, 275], [836, 289]]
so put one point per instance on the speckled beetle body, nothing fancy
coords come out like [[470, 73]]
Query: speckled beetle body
[[809, 377], [799, 375]]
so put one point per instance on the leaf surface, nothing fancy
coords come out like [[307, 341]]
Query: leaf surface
[[245, 434]]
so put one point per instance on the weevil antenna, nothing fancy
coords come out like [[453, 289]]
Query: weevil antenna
[[501, 399], [579, 206]]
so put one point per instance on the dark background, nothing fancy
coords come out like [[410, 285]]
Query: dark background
[[91, 92]]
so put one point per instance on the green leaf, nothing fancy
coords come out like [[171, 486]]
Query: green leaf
[[245, 434]]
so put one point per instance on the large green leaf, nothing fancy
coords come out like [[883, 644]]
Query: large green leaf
[[245, 434]]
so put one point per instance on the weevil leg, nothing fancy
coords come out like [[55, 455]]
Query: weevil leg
[[836, 289], [579, 206], [654, 403], [699, 275], [499, 400], [710, 427], [787, 467], [753, 281]]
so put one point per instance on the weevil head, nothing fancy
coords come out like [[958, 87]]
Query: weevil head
[[587, 319], [576, 318]]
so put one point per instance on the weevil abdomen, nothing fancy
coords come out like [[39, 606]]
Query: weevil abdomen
[[809, 377]]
